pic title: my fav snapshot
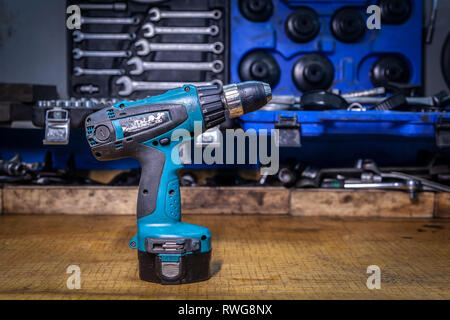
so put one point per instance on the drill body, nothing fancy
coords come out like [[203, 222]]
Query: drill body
[[169, 251]]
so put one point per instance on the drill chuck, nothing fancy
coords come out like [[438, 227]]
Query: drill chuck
[[237, 98], [245, 97]]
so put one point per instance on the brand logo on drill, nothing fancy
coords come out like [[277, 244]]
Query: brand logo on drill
[[139, 123]]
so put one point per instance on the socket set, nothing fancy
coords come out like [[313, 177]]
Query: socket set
[[138, 48], [311, 52], [298, 45]]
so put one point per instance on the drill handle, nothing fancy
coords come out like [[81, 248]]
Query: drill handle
[[159, 188]]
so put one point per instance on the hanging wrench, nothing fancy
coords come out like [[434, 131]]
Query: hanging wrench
[[156, 14], [147, 47], [140, 66], [148, 1], [101, 20], [152, 30], [117, 6], [77, 71], [129, 86], [88, 88], [78, 54], [79, 36]]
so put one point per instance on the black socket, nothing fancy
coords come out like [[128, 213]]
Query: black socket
[[302, 25], [256, 10], [313, 72], [393, 102], [348, 25], [394, 11], [389, 69], [319, 100], [259, 66]]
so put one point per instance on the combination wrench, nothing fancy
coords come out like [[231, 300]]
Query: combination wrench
[[140, 66], [145, 47], [117, 6], [130, 86], [77, 71], [79, 36], [78, 54], [149, 1], [101, 20], [152, 30], [156, 14], [88, 88]]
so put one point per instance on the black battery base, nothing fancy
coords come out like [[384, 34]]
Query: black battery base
[[190, 268]]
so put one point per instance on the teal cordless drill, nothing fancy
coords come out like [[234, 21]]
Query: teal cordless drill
[[169, 251]]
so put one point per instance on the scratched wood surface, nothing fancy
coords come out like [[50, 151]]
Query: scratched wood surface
[[254, 257], [367, 203], [443, 205]]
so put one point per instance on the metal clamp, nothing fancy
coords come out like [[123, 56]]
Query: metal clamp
[[442, 132], [289, 131], [57, 126], [171, 245]]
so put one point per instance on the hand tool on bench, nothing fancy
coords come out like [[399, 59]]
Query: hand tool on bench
[[169, 251]]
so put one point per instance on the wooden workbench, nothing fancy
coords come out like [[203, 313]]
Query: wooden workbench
[[101, 200], [254, 257]]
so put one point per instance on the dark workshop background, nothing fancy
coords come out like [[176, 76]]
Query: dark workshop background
[[33, 41], [33, 49]]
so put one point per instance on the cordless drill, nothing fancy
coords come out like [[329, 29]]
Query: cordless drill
[[169, 251]]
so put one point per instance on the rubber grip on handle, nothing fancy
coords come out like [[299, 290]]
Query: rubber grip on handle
[[152, 161], [159, 187]]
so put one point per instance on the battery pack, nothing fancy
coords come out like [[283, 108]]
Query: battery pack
[[189, 268]]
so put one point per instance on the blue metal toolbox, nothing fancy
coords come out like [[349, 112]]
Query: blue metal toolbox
[[349, 62], [349, 56]]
